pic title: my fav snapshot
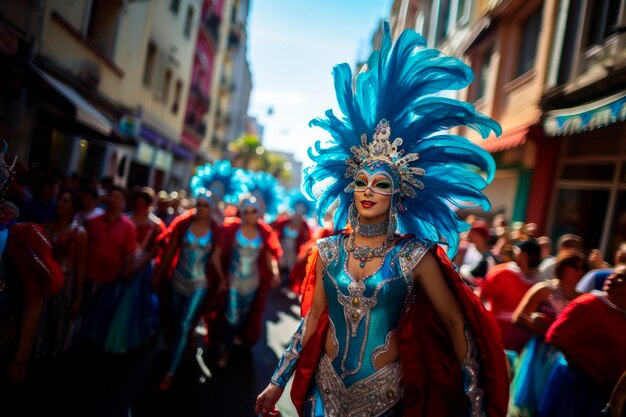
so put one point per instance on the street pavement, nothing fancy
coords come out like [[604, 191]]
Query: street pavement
[[93, 384]]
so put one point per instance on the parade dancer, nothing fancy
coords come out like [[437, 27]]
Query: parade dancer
[[193, 258], [251, 253], [293, 231], [389, 327]]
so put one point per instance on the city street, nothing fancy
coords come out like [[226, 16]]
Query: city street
[[93, 384]]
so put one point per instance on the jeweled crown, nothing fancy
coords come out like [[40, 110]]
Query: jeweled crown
[[380, 151]]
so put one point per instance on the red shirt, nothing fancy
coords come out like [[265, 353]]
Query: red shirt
[[594, 334], [110, 242], [503, 288]]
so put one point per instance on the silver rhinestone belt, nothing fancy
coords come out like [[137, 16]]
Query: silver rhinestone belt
[[369, 397]]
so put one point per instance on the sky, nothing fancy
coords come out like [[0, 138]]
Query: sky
[[292, 48]]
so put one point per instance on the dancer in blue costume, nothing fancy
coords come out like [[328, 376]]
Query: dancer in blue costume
[[193, 253], [251, 253], [389, 327]]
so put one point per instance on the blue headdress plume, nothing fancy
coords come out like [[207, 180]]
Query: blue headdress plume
[[296, 198], [400, 92], [220, 180], [266, 188]]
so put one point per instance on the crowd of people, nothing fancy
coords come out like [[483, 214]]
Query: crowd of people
[[560, 309], [122, 267]]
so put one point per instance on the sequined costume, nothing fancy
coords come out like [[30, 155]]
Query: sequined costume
[[432, 382], [246, 263], [391, 140], [192, 278]]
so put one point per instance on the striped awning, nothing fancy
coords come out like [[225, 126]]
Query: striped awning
[[587, 116]]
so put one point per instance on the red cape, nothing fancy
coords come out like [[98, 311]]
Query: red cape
[[298, 271], [431, 372], [271, 246], [31, 253]]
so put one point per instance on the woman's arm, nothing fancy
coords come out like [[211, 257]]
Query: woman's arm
[[429, 275], [526, 314], [216, 259], [272, 263], [267, 399], [31, 313]]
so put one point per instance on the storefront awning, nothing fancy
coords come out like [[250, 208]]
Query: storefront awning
[[85, 112], [508, 140], [587, 116]]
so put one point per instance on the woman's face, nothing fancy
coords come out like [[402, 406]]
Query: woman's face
[[249, 214], [372, 195], [203, 209], [65, 205]]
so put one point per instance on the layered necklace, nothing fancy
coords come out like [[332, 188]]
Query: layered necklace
[[365, 254]]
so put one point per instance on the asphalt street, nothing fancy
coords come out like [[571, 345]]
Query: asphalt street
[[93, 384]]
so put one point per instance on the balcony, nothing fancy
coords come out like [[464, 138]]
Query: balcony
[[203, 99], [212, 26]]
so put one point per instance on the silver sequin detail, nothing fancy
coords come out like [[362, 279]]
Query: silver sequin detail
[[329, 249], [369, 397], [381, 349], [471, 370]]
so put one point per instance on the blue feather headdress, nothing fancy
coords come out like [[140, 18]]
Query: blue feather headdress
[[295, 200], [267, 190], [217, 182], [433, 170]]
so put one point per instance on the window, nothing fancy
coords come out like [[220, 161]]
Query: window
[[177, 91], [483, 75], [188, 22], [174, 6], [603, 20], [166, 85], [149, 66], [102, 26], [581, 212], [462, 12], [528, 45], [442, 21]]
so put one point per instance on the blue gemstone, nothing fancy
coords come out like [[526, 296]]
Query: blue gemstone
[[362, 264]]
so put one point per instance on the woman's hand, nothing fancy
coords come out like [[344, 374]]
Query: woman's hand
[[266, 400]]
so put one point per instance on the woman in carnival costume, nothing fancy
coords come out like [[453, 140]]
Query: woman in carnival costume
[[250, 260], [389, 327], [192, 257], [293, 230], [28, 274]]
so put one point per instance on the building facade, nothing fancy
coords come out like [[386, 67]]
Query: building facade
[[552, 73]]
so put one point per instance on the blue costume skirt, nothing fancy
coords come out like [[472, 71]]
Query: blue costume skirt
[[532, 370], [570, 393], [134, 319]]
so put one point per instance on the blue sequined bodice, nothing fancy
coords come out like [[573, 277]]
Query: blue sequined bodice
[[364, 313], [194, 254], [244, 272]]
